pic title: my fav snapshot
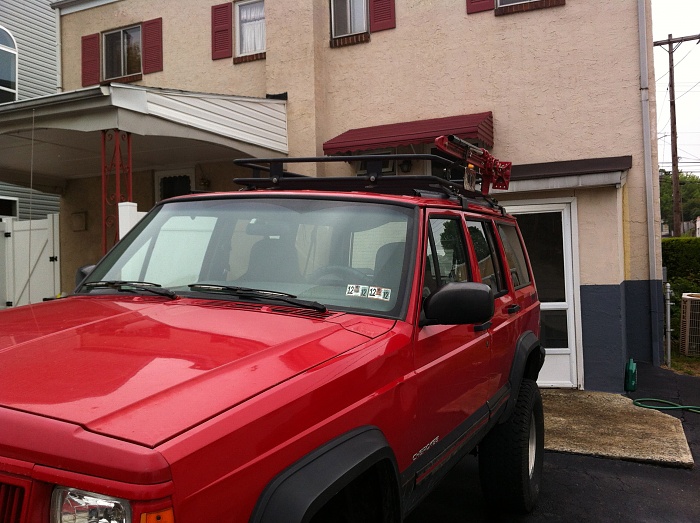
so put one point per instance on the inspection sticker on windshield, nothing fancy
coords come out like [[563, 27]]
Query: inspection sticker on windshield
[[365, 291]]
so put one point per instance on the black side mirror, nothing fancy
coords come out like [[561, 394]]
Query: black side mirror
[[82, 273], [459, 304]]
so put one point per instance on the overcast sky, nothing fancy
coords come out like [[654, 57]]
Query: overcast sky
[[679, 18]]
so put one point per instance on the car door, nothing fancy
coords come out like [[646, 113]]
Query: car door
[[451, 360], [494, 272]]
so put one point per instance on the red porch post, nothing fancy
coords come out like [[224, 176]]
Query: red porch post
[[114, 185]]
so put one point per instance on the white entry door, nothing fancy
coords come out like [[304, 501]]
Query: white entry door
[[29, 255], [548, 233]]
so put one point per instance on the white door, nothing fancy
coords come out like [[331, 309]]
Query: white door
[[31, 263], [548, 232]]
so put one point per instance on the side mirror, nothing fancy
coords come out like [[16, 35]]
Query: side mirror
[[82, 273], [459, 304]]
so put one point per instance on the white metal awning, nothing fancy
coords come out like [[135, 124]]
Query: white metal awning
[[58, 137]]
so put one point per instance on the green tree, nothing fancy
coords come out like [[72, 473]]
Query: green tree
[[690, 196]]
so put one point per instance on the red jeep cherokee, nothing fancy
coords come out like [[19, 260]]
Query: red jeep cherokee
[[309, 349]]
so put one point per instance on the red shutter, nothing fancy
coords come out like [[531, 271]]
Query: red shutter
[[222, 31], [382, 15], [152, 39], [90, 56], [476, 6]]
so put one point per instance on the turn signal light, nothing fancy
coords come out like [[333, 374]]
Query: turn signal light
[[162, 516]]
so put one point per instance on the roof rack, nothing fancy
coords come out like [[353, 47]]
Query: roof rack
[[470, 164]]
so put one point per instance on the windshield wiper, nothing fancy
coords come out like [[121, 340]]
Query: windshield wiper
[[131, 286], [247, 292]]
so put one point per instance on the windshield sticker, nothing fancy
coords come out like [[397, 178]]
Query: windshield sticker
[[365, 291]]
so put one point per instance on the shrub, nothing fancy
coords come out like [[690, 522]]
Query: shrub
[[681, 257]]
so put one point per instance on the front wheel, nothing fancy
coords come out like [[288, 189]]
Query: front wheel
[[510, 457]]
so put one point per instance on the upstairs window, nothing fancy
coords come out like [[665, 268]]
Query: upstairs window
[[352, 21], [349, 17], [8, 67], [250, 27], [122, 52], [504, 7]]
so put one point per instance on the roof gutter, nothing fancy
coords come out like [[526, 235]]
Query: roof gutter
[[654, 289], [55, 99]]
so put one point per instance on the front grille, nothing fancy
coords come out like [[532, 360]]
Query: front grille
[[11, 499]]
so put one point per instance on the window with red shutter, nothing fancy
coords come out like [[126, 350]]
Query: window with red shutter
[[382, 15], [152, 45], [476, 6], [222, 31], [90, 59]]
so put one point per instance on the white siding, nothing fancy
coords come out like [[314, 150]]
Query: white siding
[[33, 24], [41, 203]]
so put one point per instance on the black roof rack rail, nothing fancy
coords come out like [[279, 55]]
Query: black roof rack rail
[[373, 181]]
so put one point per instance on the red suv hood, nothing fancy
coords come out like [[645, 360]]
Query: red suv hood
[[145, 369]]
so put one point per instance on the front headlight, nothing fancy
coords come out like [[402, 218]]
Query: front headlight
[[69, 505]]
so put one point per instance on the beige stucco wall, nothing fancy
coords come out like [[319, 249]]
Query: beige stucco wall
[[563, 84]]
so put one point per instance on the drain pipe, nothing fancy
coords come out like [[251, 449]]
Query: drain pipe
[[668, 325], [59, 51], [654, 290]]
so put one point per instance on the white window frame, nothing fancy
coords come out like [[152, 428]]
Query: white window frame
[[12, 51], [388, 166], [122, 52], [348, 13], [239, 31], [506, 3]]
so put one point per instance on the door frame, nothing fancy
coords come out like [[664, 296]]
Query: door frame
[[568, 208]]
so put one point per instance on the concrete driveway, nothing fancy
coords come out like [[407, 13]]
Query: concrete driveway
[[582, 488]]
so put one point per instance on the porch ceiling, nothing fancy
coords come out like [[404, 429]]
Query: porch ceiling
[[58, 137]]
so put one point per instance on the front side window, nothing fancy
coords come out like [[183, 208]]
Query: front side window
[[349, 17], [8, 67], [122, 52], [446, 255], [346, 255], [250, 27]]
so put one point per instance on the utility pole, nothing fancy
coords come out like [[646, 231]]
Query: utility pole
[[673, 44]]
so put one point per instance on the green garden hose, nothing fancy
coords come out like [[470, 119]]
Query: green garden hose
[[664, 405]]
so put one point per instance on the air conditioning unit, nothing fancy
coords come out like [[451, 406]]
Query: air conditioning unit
[[690, 324]]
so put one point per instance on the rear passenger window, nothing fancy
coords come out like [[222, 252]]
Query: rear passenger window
[[485, 248], [514, 255]]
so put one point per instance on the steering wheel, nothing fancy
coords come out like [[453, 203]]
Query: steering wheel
[[338, 275]]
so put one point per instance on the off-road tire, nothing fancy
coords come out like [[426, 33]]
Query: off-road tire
[[510, 456]]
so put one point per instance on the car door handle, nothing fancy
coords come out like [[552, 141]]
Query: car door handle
[[483, 327], [512, 309]]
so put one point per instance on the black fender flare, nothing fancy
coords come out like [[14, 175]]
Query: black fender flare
[[298, 492], [527, 362]]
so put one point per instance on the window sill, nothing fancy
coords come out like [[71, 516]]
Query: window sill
[[344, 41], [529, 6], [123, 79], [249, 58]]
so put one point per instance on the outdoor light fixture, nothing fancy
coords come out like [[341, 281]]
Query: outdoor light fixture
[[405, 166]]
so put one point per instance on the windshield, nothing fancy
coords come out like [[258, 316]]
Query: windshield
[[345, 255]]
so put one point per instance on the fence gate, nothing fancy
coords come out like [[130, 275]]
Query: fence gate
[[29, 261]]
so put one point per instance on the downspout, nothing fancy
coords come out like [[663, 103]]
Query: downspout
[[59, 62], [654, 289]]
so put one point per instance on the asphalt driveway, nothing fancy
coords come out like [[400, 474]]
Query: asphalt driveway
[[585, 488]]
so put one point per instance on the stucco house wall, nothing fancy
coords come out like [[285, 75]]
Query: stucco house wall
[[563, 84]]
